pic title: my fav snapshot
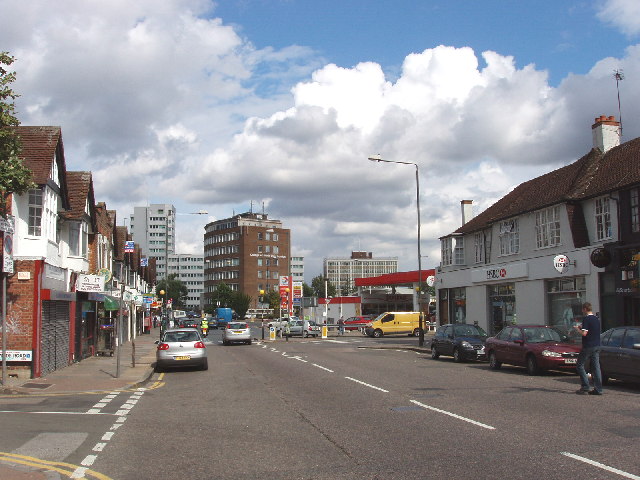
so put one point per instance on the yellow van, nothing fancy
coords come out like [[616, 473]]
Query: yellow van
[[395, 323]]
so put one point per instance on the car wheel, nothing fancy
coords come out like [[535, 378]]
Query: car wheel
[[532, 365], [224, 342], [377, 333], [493, 361], [434, 352], [249, 342], [205, 365], [456, 355], [416, 332]]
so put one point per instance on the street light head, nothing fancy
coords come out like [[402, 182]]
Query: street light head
[[375, 158]]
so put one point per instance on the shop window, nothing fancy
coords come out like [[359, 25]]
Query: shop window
[[458, 305], [565, 298], [502, 302]]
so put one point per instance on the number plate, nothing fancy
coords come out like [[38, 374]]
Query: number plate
[[570, 360], [184, 357]]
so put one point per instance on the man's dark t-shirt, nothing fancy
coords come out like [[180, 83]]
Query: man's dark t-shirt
[[592, 338]]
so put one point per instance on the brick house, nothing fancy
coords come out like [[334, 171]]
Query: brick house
[[550, 244]]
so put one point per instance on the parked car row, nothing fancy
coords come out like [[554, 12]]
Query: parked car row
[[538, 348]]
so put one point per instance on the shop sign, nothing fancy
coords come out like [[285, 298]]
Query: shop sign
[[129, 246], [53, 272], [561, 263], [18, 355], [90, 283], [431, 281], [7, 254], [505, 272]]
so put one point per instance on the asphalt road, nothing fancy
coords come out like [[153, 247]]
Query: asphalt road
[[339, 409]]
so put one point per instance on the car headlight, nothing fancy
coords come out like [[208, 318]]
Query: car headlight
[[466, 344], [549, 353]]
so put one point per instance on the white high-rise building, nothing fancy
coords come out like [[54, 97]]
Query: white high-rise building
[[297, 269], [190, 271], [342, 272], [153, 228]]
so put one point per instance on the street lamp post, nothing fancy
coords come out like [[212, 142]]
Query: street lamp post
[[378, 158]]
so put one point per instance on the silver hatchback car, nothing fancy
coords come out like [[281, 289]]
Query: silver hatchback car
[[236, 332], [181, 347]]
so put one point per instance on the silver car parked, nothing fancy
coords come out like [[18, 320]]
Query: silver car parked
[[181, 347], [236, 332]]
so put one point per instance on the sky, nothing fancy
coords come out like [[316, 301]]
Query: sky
[[276, 105]]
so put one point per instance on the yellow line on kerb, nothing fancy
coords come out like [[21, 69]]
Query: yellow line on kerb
[[64, 468]]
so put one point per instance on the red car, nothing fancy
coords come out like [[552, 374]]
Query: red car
[[535, 347], [356, 323]]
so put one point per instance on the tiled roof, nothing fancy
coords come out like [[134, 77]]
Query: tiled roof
[[41, 146], [80, 187], [592, 175]]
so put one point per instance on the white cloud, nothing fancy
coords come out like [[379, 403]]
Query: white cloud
[[166, 103], [623, 14]]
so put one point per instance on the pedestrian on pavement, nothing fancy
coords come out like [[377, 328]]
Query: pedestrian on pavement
[[341, 325], [590, 330]]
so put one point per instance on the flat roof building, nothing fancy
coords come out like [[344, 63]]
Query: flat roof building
[[248, 252], [342, 271]]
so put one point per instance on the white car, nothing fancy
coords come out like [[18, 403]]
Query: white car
[[181, 347], [236, 332]]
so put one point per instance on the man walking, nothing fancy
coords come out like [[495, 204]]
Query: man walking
[[590, 331]]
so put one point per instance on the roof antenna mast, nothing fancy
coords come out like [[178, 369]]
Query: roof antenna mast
[[619, 76]]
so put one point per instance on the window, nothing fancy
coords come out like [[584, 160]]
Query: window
[[447, 251], [635, 210], [458, 251], [509, 237], [259, 235], [478, 244], [35, 212], [275, 237], [603, 219], [548, 227], [74, 239], [276, 250]]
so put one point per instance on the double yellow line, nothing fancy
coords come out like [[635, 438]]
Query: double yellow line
[[67, 469]]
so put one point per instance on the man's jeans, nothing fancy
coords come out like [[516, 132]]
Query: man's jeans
[[592, 354]]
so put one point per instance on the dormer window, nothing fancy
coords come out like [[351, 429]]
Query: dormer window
[[35, 212]]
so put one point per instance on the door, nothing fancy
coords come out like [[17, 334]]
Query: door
[[446, 347], [610, 354], [630, 357]]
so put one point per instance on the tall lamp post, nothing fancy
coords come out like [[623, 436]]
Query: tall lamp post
[[378, 158]]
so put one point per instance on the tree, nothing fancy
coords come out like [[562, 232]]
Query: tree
[[307, 291], [273, 299], [240, 302], [14, 176], [174, 289], [317, 284], [222, 294]]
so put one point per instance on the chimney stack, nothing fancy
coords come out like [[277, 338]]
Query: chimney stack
[[467, 210], [606, 133]]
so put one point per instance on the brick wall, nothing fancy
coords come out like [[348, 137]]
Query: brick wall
[[21, 309]]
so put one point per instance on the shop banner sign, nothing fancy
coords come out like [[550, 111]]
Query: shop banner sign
[[90, 283], [129, 247], [18, 355]]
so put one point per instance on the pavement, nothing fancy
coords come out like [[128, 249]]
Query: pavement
[[95, 373]]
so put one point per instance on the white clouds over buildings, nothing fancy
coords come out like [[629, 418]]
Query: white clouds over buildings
[[166, 103]]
